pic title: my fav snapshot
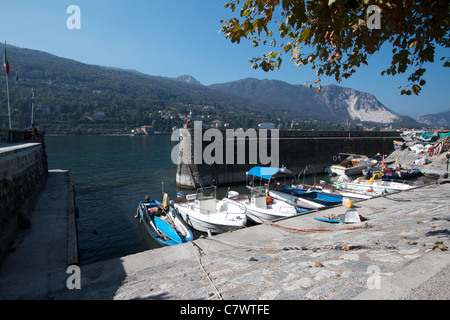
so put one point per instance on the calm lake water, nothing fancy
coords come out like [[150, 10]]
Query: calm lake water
[[112, 174]]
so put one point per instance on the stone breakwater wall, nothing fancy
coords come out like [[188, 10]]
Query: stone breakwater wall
[[23, 174], [297, 149]]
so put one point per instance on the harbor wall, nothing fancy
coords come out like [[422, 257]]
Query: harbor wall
[[297, 150], [23, 174]]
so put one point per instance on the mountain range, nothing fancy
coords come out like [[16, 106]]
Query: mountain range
[[333, 102], [70, 94], [440, 119]]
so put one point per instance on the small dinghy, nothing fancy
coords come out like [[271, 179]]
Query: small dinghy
[[163, 223], [314, 195]]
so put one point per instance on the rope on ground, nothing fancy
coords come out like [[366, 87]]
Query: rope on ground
[[337, 246], [242, 246], [296, 230], [199, 259], [365, 226]]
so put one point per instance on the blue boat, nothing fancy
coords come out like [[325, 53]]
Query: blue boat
[[163, 222], [403, 174], [316, 196]]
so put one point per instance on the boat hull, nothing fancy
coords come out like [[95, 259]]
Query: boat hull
[[259, 211], [259, 215], [316, 196], [327, 189], [297, 201], [402, 174], [377, 187], [345, 168]]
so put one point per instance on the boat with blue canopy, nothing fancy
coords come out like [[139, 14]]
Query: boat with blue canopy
[[268, 176]]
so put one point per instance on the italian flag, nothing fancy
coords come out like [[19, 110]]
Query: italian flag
[[5, 62]]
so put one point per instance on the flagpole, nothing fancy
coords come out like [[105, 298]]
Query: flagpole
[[32, 107], [7, 95], [9, 107]]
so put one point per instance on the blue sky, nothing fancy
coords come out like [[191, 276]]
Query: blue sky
[[172, 38]]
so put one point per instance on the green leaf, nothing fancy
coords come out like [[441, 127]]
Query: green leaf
[[306, 35], [287, 47], [247, 13], [271, 55]]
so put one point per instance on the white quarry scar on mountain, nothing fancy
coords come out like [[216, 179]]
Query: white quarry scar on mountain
[[366, 112]]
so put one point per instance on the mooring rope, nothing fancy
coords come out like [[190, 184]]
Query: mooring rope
[[365, 226], [199, 260]]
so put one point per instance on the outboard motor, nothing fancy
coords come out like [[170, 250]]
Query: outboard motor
[[233, 195], [344, 178], [148, 199], [366, 172]]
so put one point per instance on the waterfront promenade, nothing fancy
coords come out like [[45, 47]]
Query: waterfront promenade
[[400, 252]]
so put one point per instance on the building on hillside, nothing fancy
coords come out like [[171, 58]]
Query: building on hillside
[[147, 130], [144, 130], [267, 126]]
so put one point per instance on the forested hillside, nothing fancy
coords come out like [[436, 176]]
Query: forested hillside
[[76, 98], [72, 97]]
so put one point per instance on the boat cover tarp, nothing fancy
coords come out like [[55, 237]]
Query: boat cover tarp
[[429, 136], [267, 172], [167, 230]]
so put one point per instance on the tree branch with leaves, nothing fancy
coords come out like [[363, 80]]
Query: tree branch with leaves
[[334, 38]]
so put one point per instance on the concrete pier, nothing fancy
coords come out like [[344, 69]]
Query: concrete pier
[[38, 265], [400, 252]]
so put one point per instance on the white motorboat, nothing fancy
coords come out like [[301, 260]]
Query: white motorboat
[[261, 208], [327, 189], [269, 174], [352, 165], [373, 185], [203, 212]]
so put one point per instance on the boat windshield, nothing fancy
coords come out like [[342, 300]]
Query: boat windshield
[[206, 193], [258, 191]]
